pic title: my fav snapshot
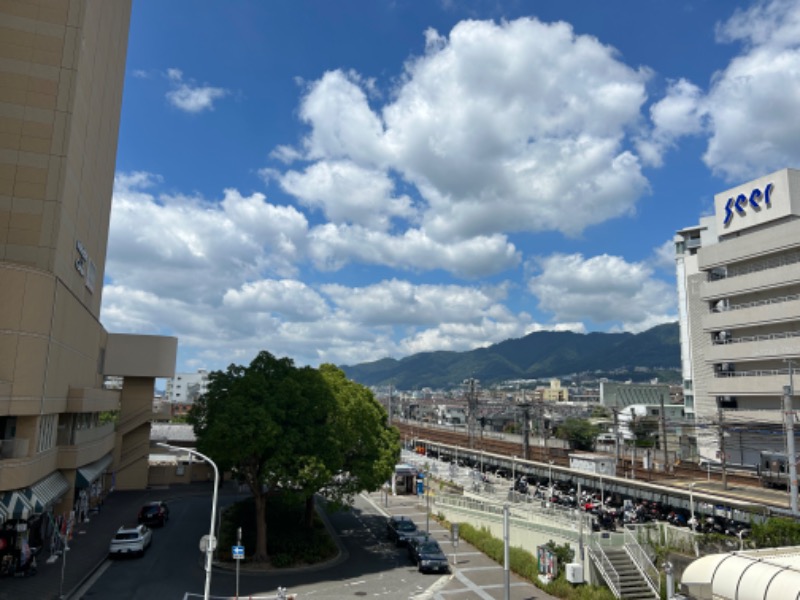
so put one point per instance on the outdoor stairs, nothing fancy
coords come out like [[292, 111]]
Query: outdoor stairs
[[632, 583]]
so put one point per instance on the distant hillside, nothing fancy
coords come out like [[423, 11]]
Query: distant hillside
[[539, 354]]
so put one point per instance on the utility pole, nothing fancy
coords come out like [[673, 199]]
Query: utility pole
[[472, 407], [616, 435], [791, 456], [664, 431], [723, 458], [390, 404], [526, 426]]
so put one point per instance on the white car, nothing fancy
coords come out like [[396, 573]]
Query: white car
[[131, 540]]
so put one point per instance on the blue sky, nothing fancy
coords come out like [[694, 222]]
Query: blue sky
[[345, 181]]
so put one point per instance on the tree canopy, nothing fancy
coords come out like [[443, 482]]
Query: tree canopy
[[294, 430], [580, 433]]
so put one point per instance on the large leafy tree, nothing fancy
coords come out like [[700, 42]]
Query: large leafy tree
[[368, 447], [288, 429], [262, 422]]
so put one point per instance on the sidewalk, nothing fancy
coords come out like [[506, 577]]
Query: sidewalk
[[475, 575], [88, 548]]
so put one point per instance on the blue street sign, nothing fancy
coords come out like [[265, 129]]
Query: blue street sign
[[238, 552]]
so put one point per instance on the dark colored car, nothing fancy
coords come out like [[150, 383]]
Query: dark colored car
[[426, 553], [154, 513], [400, 529]]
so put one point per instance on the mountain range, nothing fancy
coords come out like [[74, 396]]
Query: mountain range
[[542, 354]]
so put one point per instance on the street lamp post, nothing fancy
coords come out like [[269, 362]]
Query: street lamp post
[[513, 469], [692, 520], [212, 542], [550, 478]]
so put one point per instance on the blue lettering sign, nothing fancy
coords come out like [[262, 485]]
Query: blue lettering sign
[[741, 202]]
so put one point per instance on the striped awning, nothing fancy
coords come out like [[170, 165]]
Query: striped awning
[[87, 474], [46, 491], [15, 505]]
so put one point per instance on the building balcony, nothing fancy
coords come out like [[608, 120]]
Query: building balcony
[[89, 400], [783, 275], [782, 309], [767, 382], [14, 448], [88, 446], [757, 347], [22, 472]]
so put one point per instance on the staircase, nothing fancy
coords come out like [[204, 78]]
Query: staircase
[[632, 584]]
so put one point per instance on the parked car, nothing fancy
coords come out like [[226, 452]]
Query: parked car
[[154, 513], [400, 529], [131, 541], [426, 553]]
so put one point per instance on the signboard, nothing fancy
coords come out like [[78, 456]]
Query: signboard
[[758, 201], [238, 552], [548, 564]]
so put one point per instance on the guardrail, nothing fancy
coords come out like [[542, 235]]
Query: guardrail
[[642, 560], [603, 564]]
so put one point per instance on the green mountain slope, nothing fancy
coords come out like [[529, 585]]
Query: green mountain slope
[[540, 354]]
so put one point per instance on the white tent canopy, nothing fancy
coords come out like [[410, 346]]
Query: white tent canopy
[[769, 574]]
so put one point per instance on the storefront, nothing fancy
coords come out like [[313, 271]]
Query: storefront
[[27, 522], [90, 487]]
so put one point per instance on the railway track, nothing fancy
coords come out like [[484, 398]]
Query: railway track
[[560, 456]]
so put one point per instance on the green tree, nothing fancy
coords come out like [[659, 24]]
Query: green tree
[[367, 447], [776, 532], [580, 433], [263, 422], [293, 430]]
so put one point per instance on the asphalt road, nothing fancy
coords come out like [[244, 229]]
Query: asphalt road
[[369, 565]]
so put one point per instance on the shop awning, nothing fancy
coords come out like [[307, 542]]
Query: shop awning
[[46, 491], [87, 474], [15, 505]]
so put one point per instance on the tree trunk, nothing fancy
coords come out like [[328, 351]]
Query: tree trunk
[[261, 527], [309, 513]]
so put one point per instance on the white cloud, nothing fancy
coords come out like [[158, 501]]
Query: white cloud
[[189, 97], [332, 246], [603, 289], [498, 127], [680, 113], [348, 193], [748, 112]]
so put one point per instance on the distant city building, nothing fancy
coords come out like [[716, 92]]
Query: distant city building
[[553, 393], [739, 302], [184, 389]]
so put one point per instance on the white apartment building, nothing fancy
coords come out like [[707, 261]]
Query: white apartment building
[[186, 388], [739, 304]]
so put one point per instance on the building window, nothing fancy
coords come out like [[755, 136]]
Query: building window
[[47, 432]]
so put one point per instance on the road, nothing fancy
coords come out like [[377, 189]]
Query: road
[[172, 567]]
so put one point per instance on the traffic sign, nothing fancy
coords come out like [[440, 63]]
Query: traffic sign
[[238, 552], [208, 543]]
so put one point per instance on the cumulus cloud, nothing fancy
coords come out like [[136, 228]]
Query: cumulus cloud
[[190, 97], [497, 126], [604, 290], [748, 111]]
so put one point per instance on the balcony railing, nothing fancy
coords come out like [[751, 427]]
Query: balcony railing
[[756, 373], [776, 300], [757, 338], [762, 265]]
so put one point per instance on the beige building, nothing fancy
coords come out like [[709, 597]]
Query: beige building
[[739, 292], [62, 65]]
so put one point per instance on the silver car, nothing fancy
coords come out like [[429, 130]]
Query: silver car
[[131, 541]]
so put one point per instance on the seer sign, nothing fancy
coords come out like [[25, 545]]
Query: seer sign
[[743, 202]]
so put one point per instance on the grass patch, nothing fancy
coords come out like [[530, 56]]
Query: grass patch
[[289, 542]]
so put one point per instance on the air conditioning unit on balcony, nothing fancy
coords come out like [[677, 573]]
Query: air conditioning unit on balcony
[[574, 572]]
